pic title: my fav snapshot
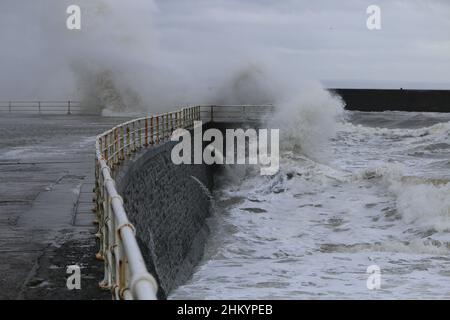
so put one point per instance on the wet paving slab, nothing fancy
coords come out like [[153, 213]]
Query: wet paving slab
[[46, 218]]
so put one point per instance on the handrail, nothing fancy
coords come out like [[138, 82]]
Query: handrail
[[36, 101], [125, 272], [67, 106]]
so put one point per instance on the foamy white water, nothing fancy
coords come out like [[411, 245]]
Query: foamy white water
[[378, 194]]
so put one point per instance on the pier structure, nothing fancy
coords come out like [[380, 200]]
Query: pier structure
[[62, 201]]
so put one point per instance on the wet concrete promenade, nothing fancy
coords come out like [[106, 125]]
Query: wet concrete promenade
[[46, 222]]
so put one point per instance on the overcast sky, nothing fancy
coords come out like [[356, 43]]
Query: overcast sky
[[164, 42], [326, 40]]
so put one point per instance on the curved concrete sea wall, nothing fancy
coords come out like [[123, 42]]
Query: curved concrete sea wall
[[168, 204], [152, 213]]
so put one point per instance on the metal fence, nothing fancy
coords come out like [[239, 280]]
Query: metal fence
[[219, 113], [41, 107], [236, 113], [125, 272]]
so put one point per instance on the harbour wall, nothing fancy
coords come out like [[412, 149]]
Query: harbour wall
[[169, 206], [395, 99]]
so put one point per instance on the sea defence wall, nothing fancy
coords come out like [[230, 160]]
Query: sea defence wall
[[395, 100], [152, 213], [168, 204]]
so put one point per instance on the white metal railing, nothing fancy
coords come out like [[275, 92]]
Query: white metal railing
[[235, 113], [41, 107], [125, 272]]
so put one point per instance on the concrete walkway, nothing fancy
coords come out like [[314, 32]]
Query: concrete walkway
[[46, 182]]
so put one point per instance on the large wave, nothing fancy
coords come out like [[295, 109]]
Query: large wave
[[308, 119], [422, 193], [422, 202]]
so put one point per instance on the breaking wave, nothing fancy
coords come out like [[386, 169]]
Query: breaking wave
[[347, 196], [424, 202], [308, 120]]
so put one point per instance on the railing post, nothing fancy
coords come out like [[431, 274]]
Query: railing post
[[122, 270], [212, 114], [166, 129], [146, 133], [68, 107], [168, 126], [176, 119], [102, 145], [39, 107], [152, 131], [128, 148], [162, 130], [106, 151], [111, 150], [116, 146], [157, 129], [164, 120], [188, 118], [140, 134], [122, 143], [183, 118], [111, 244], [133, 127]]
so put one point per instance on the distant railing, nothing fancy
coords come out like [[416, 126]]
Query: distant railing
[[41, 107], [125, 272], [235, 113]]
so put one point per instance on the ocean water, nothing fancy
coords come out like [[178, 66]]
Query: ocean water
[[374, 192]]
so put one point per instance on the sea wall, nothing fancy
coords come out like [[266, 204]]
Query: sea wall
[[398, 100], [168, 204]]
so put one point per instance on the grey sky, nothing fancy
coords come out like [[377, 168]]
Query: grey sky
[[323, 39], [180, 46]]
